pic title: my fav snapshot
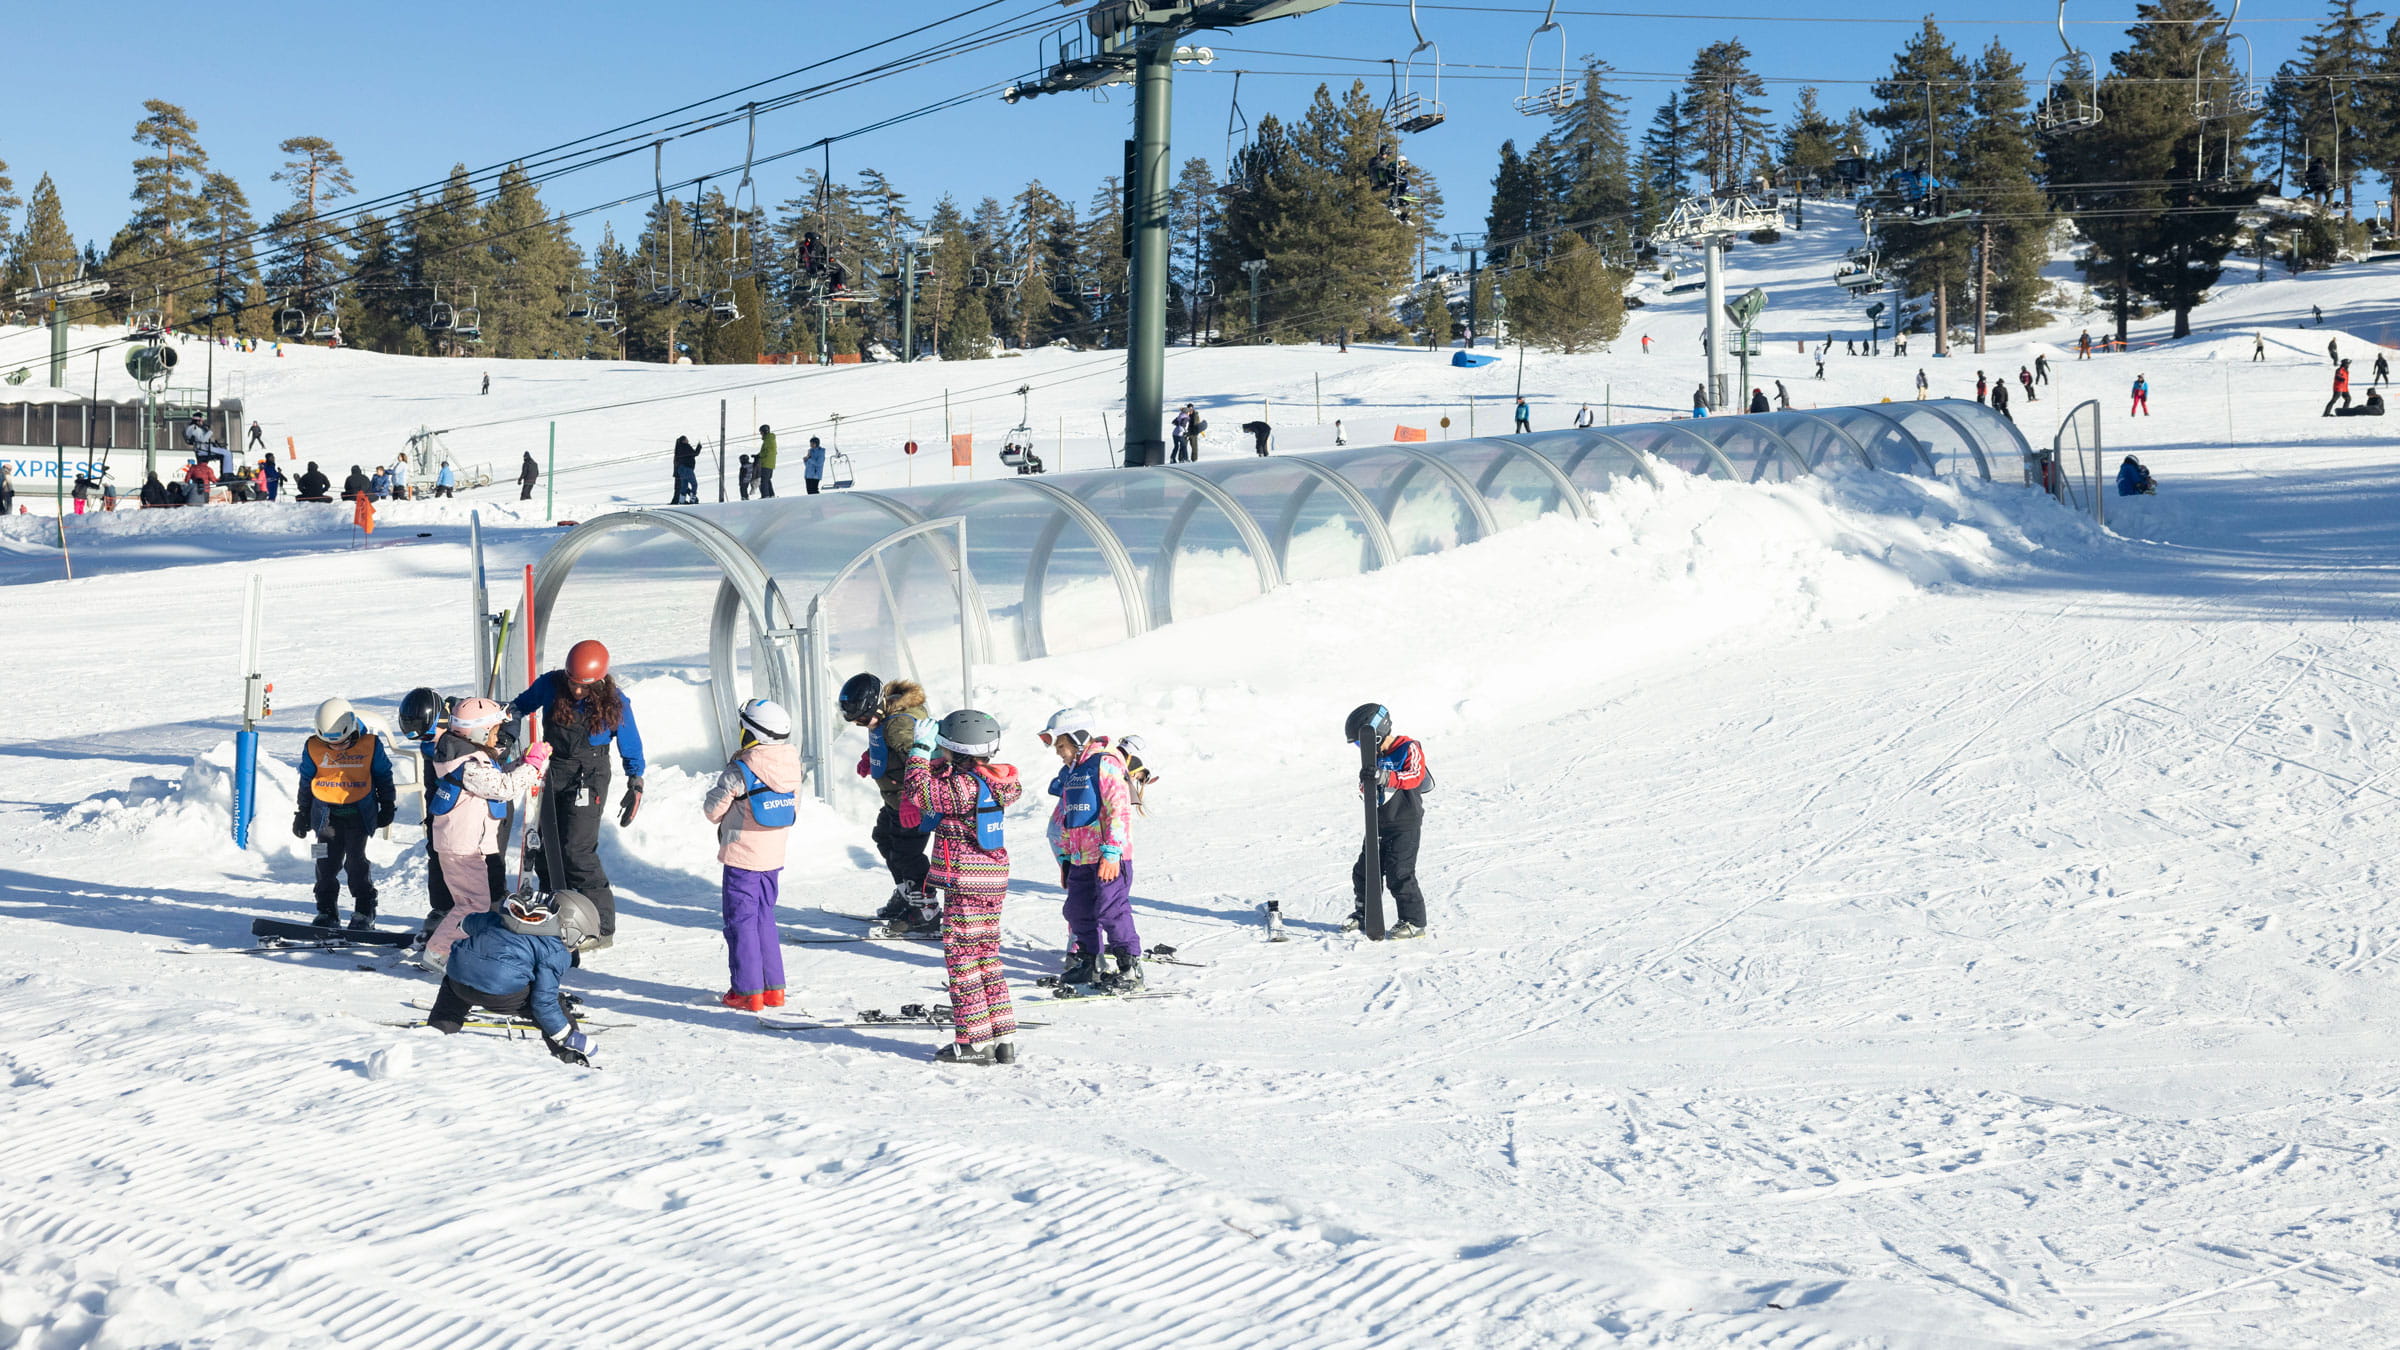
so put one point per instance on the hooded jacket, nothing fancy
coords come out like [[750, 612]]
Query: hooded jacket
[[495, 959], [468, 827], [903, 708], [741, 841], [313, 483]]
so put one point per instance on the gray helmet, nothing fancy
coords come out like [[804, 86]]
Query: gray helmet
[[578, 918], [968, 732]]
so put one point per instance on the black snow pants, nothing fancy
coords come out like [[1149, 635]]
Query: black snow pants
[[342, 848], [903, 850], [1398, 849], [574, 797], [457, 1002]]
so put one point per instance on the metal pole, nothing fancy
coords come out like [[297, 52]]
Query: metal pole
[[720, 449], [1254, 267], [1474, 275], [550, 480], [1712, 252], [58, 343], [908, 301], [1983, 286], [1146, 326]]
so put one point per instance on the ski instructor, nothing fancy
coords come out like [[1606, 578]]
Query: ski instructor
[[582, 711]]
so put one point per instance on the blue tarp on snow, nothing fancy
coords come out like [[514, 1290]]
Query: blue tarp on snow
[[1467, 358]]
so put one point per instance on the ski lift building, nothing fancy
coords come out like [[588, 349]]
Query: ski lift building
[[786, 597]]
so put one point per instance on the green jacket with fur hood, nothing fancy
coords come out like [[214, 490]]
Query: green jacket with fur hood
[[903, 708]]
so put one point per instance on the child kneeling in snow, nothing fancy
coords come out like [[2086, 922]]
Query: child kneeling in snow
[[754, 802], [468, 799], [511, 963], [970, 864]]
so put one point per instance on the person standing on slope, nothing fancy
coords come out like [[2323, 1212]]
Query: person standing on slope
[[512, 962], [1921, 385], [1783, 397], [754, 802], [2258, 346], [970, 865], [345, 795], [1399, 781], [2141, 396], [583, 712], [763, 467], [1983, 388], [891, 714], [812, 466], [466, 798], [1583, 417], [1758, 401], [687, 473], [2333, 346], [2000, 399], [1524, 415], [2025, 378], [1699, 400], [2041, 368], [2341, 388], [2383, 368], [1091, 835], [527, 474]]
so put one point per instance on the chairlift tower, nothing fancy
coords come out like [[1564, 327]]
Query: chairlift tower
[[1709, 222], [1139, 41], [56, 295]]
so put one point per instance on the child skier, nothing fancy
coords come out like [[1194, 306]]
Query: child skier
[[1091, 835], [970, 864], [753, 804], [1399, 780], [511, 962], [345, 795], [466, 798], [893, 715]]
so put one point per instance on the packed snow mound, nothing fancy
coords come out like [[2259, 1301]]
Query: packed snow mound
[[193, 813], [54, 1301]]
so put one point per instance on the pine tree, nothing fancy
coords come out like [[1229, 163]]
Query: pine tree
[[147, 256], [2279, 131], [388, 317], [1192, 211], [1433, 301], [1105, 278], [1517, 206], [1996, 180], [1923, 107], [1336, 254], [2339, 97], [1669, 147], [1593, 192], [44, 251], [1573, 301], [530, 262], [309, 247], [9, 201], [1807, 148], [1722, 97], [1042, 231], [224, 230]]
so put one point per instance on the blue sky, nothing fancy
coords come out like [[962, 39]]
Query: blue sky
[[405, 91]]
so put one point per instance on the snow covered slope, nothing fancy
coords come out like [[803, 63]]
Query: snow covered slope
[[1866, 912]]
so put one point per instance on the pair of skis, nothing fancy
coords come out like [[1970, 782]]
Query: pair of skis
[[920, 1015]]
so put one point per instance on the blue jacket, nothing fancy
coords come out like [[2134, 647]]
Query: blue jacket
[[814, 467], [546, 691], [495, 959]]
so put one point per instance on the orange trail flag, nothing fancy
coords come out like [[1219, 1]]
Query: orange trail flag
[[1408, 433], [962, 450], [364, 516]]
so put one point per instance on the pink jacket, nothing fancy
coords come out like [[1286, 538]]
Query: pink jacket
[[741, 841], [1110, 833], [468, 827]]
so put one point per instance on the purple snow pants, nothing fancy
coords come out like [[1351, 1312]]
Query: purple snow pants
[[753, 948], [1095, 906]]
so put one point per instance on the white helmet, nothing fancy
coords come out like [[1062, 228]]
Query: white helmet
[[767, 720], [335, 720], [1067, 722]]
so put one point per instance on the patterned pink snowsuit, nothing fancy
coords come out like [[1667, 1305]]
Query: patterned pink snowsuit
[[976, 882]]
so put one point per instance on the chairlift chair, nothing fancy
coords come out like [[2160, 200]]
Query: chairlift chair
[[1551, 98], [2237, 94], [1411, 111], [2070, 92], [443, 316], [291, 321], [468, 325], [724, 307], [837, 463], [328, 324], [978, 278]]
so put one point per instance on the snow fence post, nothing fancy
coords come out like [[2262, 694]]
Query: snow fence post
[[549, 492], [254, 706]]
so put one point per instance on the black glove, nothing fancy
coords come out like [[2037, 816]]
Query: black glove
[[300, 823], [383, 816], [630, 805]]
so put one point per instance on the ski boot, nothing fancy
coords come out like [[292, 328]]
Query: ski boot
[[903, 902], [959, 1053], [328, 916], [743, 1002], [772, 998], [1004, 1052], [1355, 922], [362, 919], [1404, 929], [1081, 968], [1127, 977], [922, 918]]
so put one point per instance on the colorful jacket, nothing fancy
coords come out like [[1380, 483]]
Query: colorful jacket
[[903, 708], [1097, 778], [950, 792], [1400, 780], [495, 959], [741, 841], [469, 827]]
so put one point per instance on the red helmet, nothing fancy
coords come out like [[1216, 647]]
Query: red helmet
[[587, 661]]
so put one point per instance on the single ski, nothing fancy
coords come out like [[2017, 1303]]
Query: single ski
[[870, 936], [1165, 956], [288, 931], [1049, 990]]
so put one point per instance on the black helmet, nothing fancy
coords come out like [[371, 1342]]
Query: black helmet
[[1368, 723], [420, 712], [862, 698]]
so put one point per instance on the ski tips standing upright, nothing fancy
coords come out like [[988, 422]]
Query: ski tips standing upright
[[1399, 780]]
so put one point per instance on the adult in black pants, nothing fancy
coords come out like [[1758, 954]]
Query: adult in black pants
[[1399, 781], [528, 473], [583, 713]]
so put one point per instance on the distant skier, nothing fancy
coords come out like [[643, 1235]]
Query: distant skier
[[2141, 396], [1783, 397], [466, 798], [1399, 781], [1645, 344], [1583, 417], [2258, 347], [971, 794], [583, 713], [2341, 388], [745, 475], [1921, 385], [812, 466], [1260, 435], [1091, 835], [487, 381], [1820, 365], [2383, 368], [1524, 415], [345, 795], [2041, 368], [889, 713], [2025, 378], [1983, 388], [2333, 350], [1700, 400], [753, 803], [527, 473], [764, 464], [1178, 430], [512, 962], [445, 480], [2000, 399], [2083, 346], [1758, 401], [687, 473], [2319, 312], [258, 437]]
